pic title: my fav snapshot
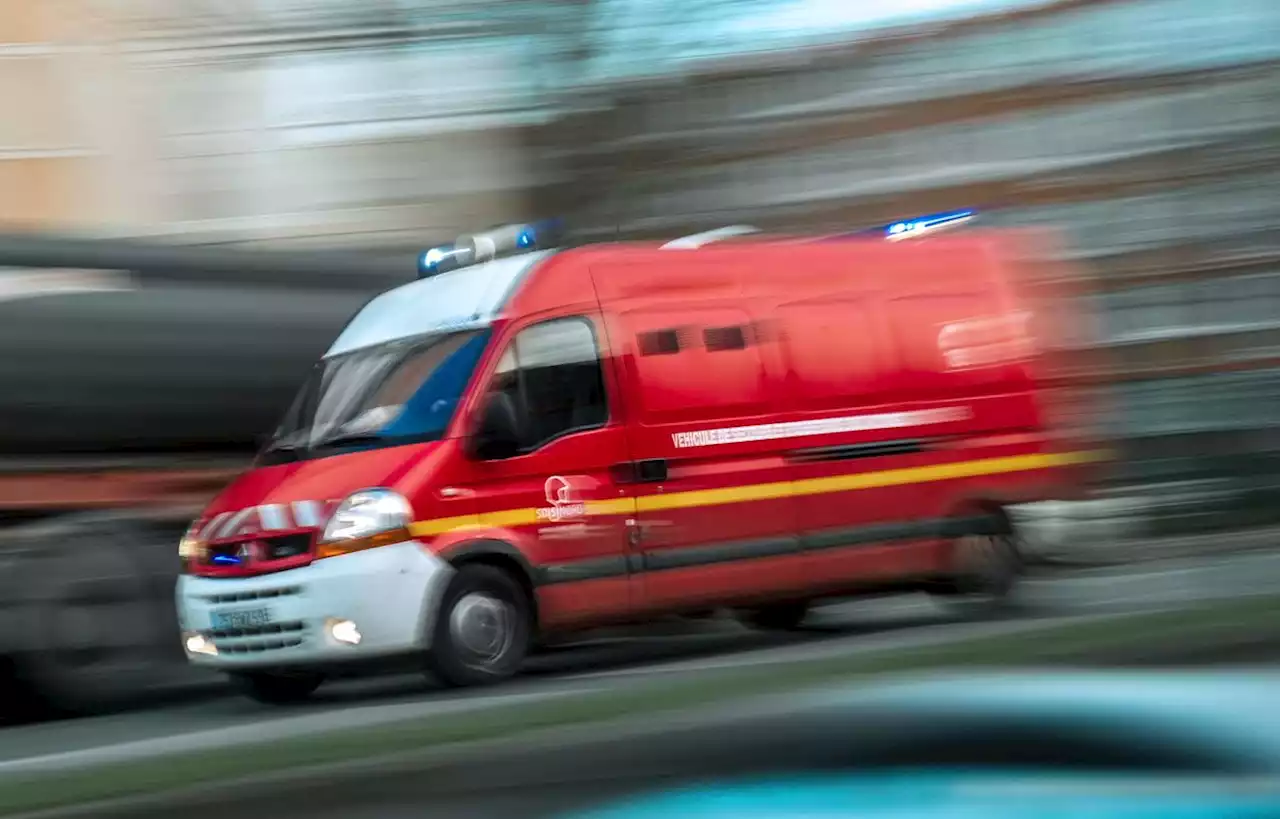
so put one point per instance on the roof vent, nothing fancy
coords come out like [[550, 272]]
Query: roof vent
[[697, 240]]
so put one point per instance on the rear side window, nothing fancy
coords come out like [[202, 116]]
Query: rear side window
[[553, 371], [719, 339], [696, 364], [659, 342]]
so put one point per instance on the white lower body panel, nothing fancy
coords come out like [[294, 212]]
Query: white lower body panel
[[282, 620]]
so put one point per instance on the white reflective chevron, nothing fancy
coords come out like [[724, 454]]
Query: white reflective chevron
[[274, 517], [306, 513]]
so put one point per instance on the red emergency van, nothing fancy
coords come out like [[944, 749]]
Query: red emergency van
[[546, 441]]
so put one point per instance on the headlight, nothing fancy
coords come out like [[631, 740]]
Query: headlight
[[190, 548], [370, 517]]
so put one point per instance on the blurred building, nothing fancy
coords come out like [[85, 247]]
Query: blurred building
[[1148, 129], [64, 154], [273, 120]]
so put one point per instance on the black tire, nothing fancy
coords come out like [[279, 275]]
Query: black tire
[[277, 688], [777, 617], [988, 569], [497, 607]]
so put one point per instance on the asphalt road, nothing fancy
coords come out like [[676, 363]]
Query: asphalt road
[[835, 630]]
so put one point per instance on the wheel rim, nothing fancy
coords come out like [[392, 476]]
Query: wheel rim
[[483, 628], [983, 564]]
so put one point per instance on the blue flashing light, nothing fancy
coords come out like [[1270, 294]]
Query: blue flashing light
[[542, 234], [924, 224], [429, 262], [442, 259], [226, 560], [486, 245], [913, 228]]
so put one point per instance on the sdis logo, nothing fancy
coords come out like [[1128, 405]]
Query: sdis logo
[[564, 502]]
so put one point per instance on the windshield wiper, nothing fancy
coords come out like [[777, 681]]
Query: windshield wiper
[[285, 445], [284, 451], [349, 438]]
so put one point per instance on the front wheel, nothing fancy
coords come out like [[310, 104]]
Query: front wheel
[[275, 688], [483, 629]]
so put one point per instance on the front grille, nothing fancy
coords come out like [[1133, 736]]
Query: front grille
[[259, 638], [258, 550], [256, 631], [258, 646], [279, 548], [243, 597]]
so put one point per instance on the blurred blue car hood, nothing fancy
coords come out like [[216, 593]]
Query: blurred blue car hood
[[955, 795], [1231, 716]]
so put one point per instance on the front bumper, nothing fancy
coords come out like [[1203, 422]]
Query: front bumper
[[390, 593]]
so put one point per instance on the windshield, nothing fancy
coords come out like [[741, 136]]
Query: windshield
[[399, 392]]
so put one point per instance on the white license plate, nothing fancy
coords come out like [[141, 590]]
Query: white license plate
[[241, 618]]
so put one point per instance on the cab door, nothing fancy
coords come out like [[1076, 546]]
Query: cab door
[[556, 499]]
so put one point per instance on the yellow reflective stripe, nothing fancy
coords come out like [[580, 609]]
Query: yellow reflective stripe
[[772, 491], [866, 480], [929, 474], [716, 497], [620, 506], [438, 526], [513, 517]]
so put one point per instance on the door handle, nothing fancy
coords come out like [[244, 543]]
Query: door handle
[[455, 492], [653, 470]]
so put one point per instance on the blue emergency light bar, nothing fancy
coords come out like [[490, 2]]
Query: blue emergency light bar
[[915, 227], [921, 225], [481, 247], [442, 259]]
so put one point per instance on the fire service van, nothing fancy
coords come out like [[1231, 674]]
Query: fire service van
[[528, 442]]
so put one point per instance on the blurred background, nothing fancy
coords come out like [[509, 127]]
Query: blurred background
[[1145, 129], [196, 195]]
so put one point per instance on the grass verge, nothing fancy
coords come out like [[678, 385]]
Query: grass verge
[[1139, 636]]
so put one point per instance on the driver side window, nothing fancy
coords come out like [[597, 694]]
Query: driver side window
[[552, 371]]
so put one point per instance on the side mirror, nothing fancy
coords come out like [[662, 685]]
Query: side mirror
[[497, 436]]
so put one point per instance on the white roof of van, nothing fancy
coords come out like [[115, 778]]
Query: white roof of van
[[461, 299]]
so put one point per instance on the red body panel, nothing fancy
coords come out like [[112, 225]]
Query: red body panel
[[298, 499], [852, 342], [813, 406], [670, 394], [320, 479]]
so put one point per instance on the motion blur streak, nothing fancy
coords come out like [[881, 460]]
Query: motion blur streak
[[196, 197]]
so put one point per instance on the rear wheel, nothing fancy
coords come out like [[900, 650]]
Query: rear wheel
[[275, 688], [986, 571], [483, 628], [777, 617]]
